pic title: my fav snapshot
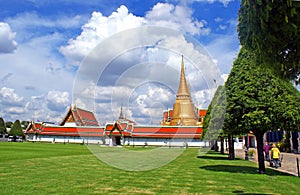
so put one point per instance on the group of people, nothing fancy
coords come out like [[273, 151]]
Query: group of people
[[272, 153]]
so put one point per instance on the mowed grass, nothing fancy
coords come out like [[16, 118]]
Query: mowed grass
[[39, 168]]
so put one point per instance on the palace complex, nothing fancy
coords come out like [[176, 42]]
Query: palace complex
[[180, 126]]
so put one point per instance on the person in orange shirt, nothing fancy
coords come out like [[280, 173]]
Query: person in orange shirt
[[275, 153]]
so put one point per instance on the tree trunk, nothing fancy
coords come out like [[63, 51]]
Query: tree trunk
[[231, 147], [222, 145], [216, 146], [260, 154]]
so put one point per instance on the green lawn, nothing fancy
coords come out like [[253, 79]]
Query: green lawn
[[39, 168]]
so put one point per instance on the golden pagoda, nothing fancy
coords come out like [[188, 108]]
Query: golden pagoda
[[183, 108]]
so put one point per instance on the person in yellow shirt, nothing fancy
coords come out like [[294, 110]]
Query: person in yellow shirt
[[275, 153]]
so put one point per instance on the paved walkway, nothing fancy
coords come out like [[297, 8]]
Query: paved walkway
[[288, 165]]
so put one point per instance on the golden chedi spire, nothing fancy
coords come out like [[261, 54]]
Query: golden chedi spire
[[183, 108], [183, 89]]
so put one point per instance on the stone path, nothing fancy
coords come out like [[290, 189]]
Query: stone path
[[288, 165]]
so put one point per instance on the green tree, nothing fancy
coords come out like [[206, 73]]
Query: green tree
[[214, 118], [258, 101], [16, 130], [271, 28], [2, 126]]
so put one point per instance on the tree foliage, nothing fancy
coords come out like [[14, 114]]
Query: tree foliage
[[214, 118], [2, 126], [16, 129], [259, 101], [271, 28]]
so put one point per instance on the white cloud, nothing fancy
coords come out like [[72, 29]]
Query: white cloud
[[225, 2], [218, 19], [29, 20], [9, 97], [177, 17], [97, 29], [222, 27], [203, 97], [57, 100], [7, 42], [16, 110], [35, 69], [100, 27]]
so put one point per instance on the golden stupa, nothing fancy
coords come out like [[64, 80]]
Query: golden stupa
[[183, 108]]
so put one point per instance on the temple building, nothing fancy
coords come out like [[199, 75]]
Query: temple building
[[180, 126]]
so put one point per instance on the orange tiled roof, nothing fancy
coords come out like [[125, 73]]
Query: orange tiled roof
[[80, 116], [72, 131], [166, 131]]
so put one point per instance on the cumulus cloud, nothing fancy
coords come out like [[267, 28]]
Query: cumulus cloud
[[9, 97], [100, 27], [177, 17], [57, 100], [148, 102], [46, 107], [8, 44], [97, 29]]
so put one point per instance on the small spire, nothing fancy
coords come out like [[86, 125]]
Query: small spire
[[121, 113]]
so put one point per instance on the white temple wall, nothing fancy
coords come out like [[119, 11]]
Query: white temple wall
[[62, 139], [163, 142]]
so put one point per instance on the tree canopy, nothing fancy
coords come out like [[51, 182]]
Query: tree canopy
[[257, 98], [271, 28], [2, 126], [259, 101], [16, 129], [214, 118]]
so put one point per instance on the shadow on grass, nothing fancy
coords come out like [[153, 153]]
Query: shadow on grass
[[241, 169], [240, 192], [211, 155]]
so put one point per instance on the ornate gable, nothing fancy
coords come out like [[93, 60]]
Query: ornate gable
[[80, 117]]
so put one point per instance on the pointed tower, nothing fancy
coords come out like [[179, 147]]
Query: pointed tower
[[121, 117], [183, 108]]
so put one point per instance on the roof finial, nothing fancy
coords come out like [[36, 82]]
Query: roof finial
[[121, 113]]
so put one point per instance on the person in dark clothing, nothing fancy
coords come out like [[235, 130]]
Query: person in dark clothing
[[267, 148]]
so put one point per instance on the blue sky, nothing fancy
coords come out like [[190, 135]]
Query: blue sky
[[43, 46]]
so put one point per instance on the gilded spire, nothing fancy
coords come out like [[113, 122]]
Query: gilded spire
[[183, 90], [183, 108]]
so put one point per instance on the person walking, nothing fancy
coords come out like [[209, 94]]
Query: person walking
[[267, 149], [275, 153]]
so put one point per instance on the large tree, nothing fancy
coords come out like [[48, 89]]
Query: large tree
[[271, 28], [16, 130], [259, 101]]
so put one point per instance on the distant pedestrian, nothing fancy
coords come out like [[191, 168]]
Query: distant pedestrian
[[275, 155], [267, 148]]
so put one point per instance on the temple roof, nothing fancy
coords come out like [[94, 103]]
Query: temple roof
[[80, 116], [117, 129]]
